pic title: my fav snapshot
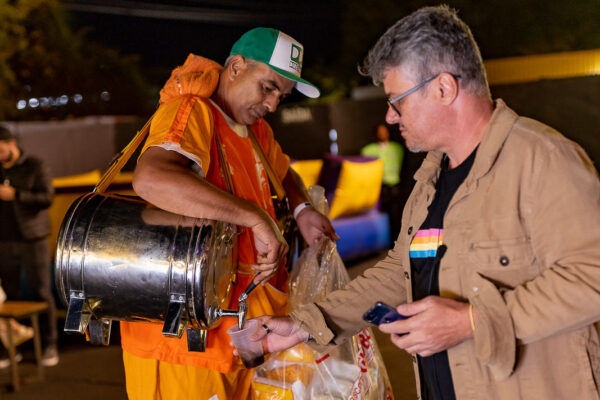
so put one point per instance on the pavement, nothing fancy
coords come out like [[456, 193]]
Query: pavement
[[84, 372], [96, 373]]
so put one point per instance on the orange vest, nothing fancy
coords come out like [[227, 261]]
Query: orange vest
[[187, 125]]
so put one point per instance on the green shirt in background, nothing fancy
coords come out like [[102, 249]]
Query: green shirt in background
[[391, 153]]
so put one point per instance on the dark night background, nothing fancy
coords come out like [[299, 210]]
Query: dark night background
[[163, 33], [117, 55], [128, 48]]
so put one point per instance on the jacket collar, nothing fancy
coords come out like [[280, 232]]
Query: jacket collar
[[496, 132]]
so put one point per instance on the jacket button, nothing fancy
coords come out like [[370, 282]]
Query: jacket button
[[410, 230], [504, 261], [406, 275]]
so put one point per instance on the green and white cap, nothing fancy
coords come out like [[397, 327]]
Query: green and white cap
[[282, 53]]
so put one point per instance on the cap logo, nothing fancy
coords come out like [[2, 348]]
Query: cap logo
[[296, 58]]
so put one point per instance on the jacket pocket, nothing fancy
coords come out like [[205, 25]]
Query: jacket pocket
[[506, 261]]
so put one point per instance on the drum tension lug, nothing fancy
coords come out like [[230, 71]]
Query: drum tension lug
[[98, 331], [78, 316], [196, 339], [174, 322]]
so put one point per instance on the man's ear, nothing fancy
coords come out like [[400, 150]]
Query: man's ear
[[447, 87], [236, 66]]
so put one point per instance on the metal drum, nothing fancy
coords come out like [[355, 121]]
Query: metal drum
[[118, 258]]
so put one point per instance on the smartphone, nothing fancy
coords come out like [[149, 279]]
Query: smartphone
[[382, 313]]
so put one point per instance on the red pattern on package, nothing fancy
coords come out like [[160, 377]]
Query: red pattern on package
[[320, 360], [366, 342], [361, 388]]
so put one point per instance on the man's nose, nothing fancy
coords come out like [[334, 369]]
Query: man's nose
[[391, 116], [271, 102]]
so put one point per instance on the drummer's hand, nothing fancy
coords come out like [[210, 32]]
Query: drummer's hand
[[283, 333], [271, 248], [313, 225]]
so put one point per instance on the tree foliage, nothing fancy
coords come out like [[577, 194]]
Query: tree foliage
[[42, 58]]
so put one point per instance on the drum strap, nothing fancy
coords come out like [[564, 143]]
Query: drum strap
[[224, 168], [223, 163], [122, 157], [275, 182], [285, 219]]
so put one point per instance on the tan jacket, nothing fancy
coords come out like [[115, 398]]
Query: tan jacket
[[523, 238]]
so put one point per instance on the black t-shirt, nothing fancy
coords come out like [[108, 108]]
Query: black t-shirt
[[426, 251]]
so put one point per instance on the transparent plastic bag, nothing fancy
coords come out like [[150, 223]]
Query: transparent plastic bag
[[318, 199], [353, 370]]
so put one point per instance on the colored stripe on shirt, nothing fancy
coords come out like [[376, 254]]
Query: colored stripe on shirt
[[426, 242]]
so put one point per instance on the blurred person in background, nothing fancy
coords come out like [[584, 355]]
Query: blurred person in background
[[391, 154], [26, 192]]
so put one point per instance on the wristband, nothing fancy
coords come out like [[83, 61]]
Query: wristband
[[309, 338], [300, 207], [471, 317]]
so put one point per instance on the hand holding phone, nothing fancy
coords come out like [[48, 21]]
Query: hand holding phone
[[382, 313]]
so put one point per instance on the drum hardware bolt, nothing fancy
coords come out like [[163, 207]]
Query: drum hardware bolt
[[242, 311]]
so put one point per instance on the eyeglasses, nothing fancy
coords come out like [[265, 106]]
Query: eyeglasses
[[414, 89]]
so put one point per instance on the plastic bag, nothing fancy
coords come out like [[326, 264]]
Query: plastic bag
[[353, 370]]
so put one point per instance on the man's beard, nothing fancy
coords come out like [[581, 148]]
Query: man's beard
[[414, 149]]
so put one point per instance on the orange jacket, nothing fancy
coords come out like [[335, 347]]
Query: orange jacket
[[186, 122]]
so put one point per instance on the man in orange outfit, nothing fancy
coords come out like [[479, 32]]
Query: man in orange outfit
[[179, 171]]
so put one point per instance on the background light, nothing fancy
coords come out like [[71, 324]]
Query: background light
[[333, 135], [333, 149]]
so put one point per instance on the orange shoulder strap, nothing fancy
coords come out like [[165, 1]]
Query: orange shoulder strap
[[275, 182], [121, 158]]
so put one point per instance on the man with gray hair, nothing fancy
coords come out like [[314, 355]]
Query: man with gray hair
[[494, 268]]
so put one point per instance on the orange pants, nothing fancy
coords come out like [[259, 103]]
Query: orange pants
[[152, 379]]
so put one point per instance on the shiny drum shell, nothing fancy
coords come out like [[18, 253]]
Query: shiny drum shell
[[130, 261]]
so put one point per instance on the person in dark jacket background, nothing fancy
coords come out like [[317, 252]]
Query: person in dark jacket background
[[26, 192]]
